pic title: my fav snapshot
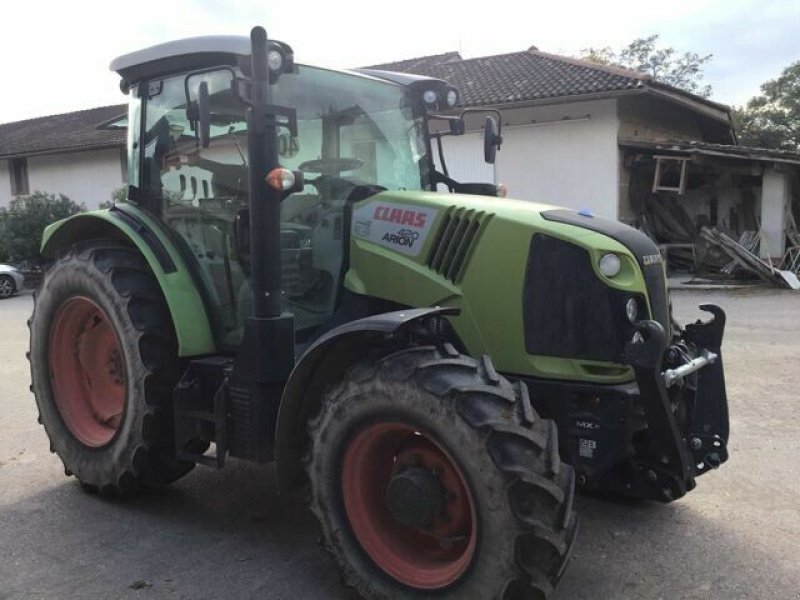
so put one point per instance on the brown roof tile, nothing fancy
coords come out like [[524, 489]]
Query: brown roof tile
[[520, 76], [67, 132], [412, 65]]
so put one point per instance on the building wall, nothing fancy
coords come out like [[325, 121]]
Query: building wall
[[653, 119], [88, 177], [564, 155], [5, 184], [775, 201], [464, 158], [646, 117]]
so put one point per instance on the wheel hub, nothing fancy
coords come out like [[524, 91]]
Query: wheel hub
[[87, 371], [409, 505], [416, 497]]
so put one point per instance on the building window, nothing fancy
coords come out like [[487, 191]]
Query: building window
[[670, 174], [19, 176]]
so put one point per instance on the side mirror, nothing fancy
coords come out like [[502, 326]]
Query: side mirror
[[218, 81], [491, 140], [203, 114]]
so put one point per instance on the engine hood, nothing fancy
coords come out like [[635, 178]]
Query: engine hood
[[428, 249]]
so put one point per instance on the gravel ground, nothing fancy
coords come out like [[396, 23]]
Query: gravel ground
[[229, 534]]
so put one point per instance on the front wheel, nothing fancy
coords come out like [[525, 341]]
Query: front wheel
[[432, 477], [103, 363]]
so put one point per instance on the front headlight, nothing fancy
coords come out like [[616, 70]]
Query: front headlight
[[609, 264]]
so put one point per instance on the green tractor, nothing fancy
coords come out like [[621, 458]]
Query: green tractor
[[440, 370]]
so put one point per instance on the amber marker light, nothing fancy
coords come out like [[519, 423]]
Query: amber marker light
[[280, 179]]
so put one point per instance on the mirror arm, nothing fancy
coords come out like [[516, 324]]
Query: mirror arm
[[438, 177], [440, 150], [494, 111], [456, 124]]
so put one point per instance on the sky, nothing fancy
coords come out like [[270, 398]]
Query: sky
[[54, 55]]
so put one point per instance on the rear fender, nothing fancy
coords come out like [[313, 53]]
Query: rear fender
[[324, 362], [130, 225]]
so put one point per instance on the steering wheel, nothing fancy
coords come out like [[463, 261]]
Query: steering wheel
[[331, 165], [333, 187]]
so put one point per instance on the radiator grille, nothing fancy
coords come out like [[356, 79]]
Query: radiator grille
[[568, 311], [454, 241]]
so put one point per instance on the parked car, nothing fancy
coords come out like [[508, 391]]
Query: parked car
[[11, 281]]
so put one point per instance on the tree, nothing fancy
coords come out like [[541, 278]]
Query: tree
[[117, 195], [22, 223], [3, 245], [667, 65], [772, 119]]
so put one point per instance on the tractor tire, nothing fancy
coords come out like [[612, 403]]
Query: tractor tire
[[8, 287], [104, 362], [432, 477]]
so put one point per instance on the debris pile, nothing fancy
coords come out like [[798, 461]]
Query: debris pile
[[745, 258], [711, 251], [664, 219], [749, 240]]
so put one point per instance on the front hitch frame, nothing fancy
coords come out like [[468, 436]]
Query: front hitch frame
[[709, 424], [675, 457], [668, 468]]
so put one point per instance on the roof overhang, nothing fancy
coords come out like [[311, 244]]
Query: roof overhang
[[699, 149], [64, 150], [720, 112]]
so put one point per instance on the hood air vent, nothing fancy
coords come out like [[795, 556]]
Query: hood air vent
[[454, 241]]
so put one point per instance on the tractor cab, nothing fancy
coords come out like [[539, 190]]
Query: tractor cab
[[350, 135]]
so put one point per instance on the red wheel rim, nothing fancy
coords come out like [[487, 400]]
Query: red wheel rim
[[430, 557], [87, 371]]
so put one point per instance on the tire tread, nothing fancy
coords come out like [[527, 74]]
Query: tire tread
[[521, 445], [148, 462]]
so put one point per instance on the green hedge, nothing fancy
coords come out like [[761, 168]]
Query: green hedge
[[24, 220]]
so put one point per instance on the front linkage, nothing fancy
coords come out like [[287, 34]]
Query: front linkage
[[686, 430], [652, 437]]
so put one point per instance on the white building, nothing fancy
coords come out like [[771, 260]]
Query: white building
[[68, 154], [590, 136], [575, 134]]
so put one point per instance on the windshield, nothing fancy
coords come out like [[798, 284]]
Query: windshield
[[361, 129], [352, 131]]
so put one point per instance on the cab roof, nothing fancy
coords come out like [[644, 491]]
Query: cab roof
[[189, 53], [211, 50]]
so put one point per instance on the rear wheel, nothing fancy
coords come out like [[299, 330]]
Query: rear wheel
[[103, 364], [8, 286], [432, 477]]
